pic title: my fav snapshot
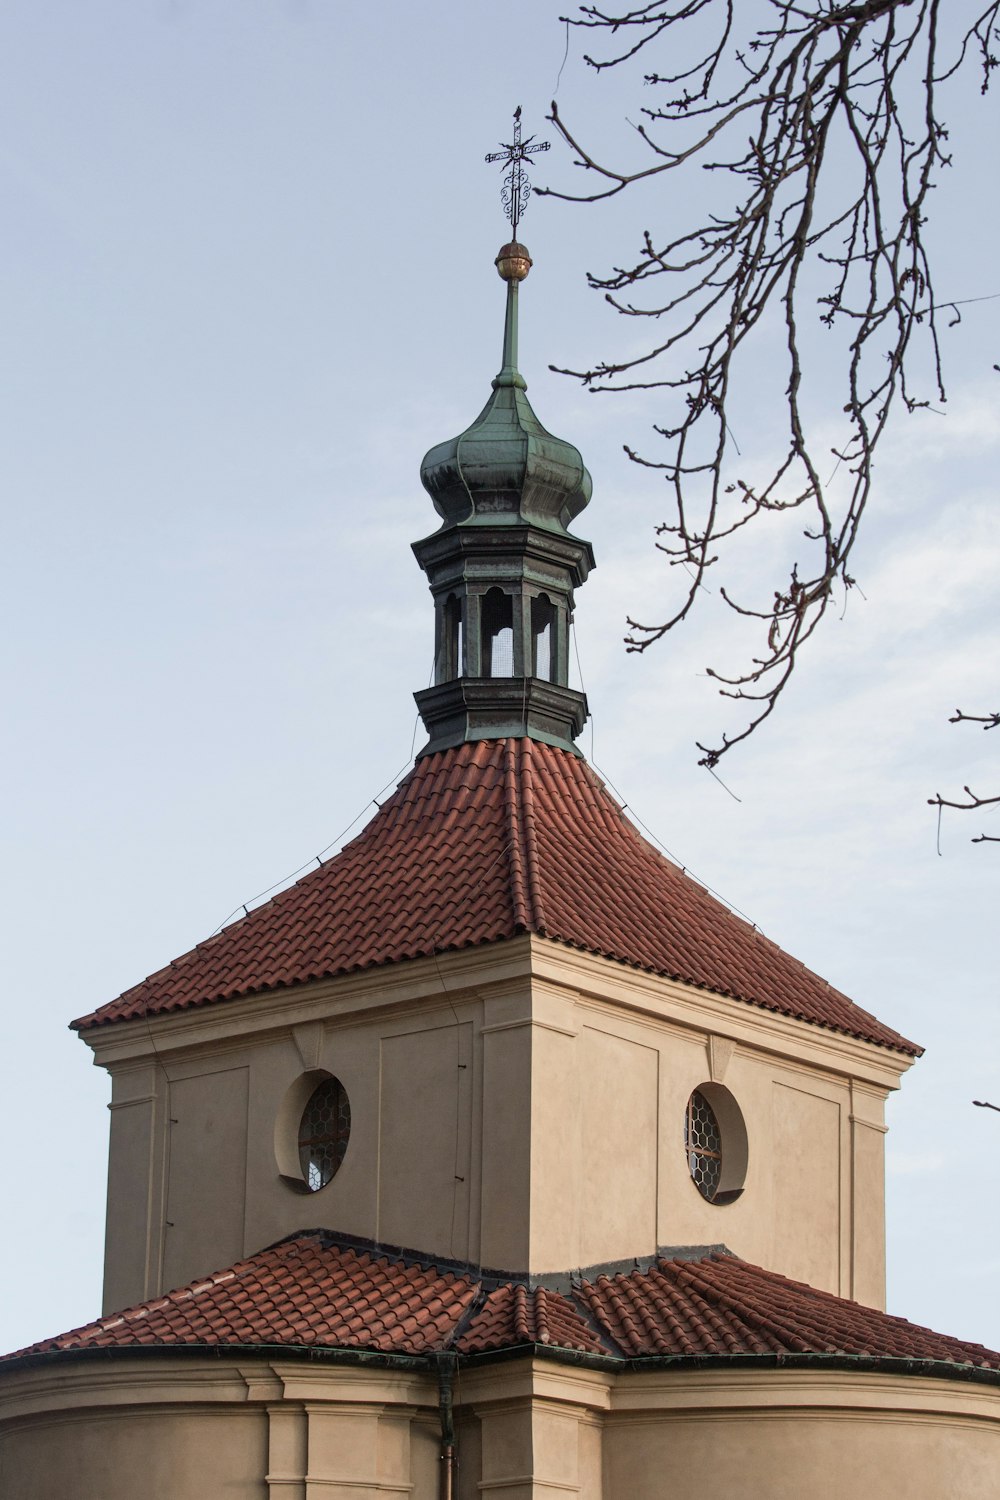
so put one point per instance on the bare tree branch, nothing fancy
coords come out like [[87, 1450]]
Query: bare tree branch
[[823, 120], [988, 721]]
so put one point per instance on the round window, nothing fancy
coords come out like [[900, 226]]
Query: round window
[[715, 1142], [324, 1131], [704, 1145]]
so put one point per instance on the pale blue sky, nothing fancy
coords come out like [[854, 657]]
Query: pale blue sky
[[248, 281]]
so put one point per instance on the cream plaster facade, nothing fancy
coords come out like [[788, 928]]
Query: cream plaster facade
[[519, 1106], [252, 1428]]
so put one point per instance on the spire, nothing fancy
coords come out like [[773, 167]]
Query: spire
[[503, 565], [509, 373]]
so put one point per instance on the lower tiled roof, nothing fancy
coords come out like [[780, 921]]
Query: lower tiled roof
[[317, 1292], [303, 1291], [718, 1305], [515, 1314], [480, 843]]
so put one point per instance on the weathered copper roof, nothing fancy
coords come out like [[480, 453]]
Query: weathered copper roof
[[478, 844], [315, 1291], [506, 467]]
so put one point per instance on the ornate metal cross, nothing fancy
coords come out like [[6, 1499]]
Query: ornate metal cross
[[516, 187]]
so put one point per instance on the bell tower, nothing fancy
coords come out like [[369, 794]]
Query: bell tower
[[503, 565]]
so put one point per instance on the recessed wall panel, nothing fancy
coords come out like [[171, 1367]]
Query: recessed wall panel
[[206, 1175], [618, 1112], [806, 1176], [424, 1140]]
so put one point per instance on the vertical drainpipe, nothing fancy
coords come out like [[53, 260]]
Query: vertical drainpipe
[[449, 1457]]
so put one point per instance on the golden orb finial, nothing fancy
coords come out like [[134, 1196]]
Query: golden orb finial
[[513, 261]]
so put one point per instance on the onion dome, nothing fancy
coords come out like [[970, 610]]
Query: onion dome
[[506, 465]]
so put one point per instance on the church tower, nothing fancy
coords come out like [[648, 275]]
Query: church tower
[[495, 1157]]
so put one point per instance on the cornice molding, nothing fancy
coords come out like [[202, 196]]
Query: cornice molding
[[547, 967]]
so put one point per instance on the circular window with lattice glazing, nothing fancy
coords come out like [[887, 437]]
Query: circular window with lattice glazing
[[324, 1130], [715, 1142]]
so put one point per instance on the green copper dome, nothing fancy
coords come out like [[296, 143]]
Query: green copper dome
[[506, 467]]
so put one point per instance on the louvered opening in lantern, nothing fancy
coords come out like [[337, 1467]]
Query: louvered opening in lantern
[[498, 634], [543, 624]]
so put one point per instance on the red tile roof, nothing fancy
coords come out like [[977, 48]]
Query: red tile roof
[[718, 1305], [300, 1292], [314, 1292], [515, 1314], [480, 843]]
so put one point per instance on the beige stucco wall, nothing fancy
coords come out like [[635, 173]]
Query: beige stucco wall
[[545, 1430], [519, 1106], [251, 1428], [98, 1456], [782, 1435], [169, 1429], [780, 1455]]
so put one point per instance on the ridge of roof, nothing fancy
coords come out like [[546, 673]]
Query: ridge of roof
[[481, 843], [311, 1294]]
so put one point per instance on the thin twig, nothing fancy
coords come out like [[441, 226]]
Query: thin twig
[[823, 118]]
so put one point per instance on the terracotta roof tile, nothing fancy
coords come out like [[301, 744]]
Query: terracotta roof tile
[[515, 1314], [300, 1292], [719, 1305], [480, 843], [312, 1292]]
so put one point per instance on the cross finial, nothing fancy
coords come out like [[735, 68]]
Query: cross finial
[[516, 188]]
